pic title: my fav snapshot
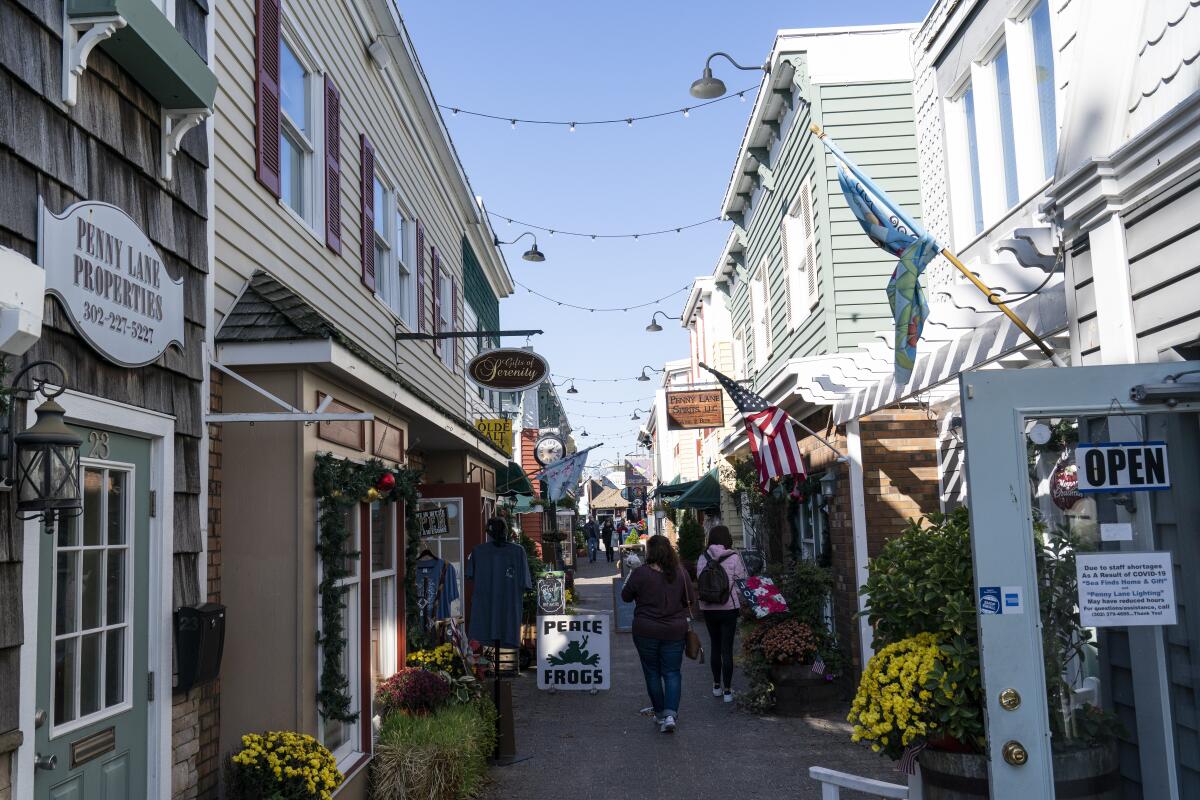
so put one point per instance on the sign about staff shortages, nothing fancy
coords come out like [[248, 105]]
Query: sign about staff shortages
[[574, 652], [112, 282], [1120, 589]]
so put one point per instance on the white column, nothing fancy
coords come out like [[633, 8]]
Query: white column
[[1114, 302], [858, 521]]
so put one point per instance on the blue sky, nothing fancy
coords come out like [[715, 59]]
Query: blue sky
[[575, 61]]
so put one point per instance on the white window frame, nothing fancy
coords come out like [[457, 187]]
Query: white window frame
[[351, 749], [167, 7], [312, 188], [405, 251], [389, 659], [1022, 66], [445, 310], [80, 721], [739, 355], [760, 313]]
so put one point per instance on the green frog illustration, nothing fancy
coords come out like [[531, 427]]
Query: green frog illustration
[[575, 653]]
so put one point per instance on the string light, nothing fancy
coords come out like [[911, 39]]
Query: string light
[[614, 308], [628, 119], [558, 377], [606, 402], [639, 234]]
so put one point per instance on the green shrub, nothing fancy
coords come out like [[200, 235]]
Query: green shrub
[[805, 586], [691, 539], [441, 756]]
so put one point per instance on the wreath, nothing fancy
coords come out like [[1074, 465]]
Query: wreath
[[340, 485]]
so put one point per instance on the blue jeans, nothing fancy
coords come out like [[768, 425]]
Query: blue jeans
[[593, 548], [661, 662]]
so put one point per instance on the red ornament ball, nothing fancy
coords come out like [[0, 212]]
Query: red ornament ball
[[386, 482]]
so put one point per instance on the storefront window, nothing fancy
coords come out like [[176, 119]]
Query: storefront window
[[384, 629], [447, 546], [341, 737]]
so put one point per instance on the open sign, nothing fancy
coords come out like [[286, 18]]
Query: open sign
[[1122, 466]]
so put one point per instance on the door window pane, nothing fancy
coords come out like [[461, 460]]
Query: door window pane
[[66, 586], [1043, 61], [1007, 143], [116, 507], [93, 481], [93, 588], [89, 674], [114, 667], [382, 537], [968, 101], [64, 681], [115, 588]]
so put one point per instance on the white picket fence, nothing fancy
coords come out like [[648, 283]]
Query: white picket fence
[[832, 782]]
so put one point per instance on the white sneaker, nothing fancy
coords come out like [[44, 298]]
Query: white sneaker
[[668, 725], [729, 697], [716, 691]]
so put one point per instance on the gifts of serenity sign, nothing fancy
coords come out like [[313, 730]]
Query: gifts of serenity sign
[[508, 369], [111, 281]]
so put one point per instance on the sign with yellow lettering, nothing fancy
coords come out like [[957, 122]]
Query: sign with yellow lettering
[[112, 282], [499, 431]]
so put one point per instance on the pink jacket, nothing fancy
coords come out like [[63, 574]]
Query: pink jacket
[[734, 568]]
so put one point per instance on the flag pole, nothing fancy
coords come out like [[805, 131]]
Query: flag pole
[[920, 232]]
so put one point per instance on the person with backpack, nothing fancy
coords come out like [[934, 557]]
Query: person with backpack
[[606, 536], [591, 533], [717, 569]]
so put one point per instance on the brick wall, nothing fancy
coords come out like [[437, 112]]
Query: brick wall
[[531, 524]]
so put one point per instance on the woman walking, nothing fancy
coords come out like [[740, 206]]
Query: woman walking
[[719, 601], [662, 595]]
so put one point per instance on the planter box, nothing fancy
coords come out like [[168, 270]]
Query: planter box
[[1089, 774], [800, 691]]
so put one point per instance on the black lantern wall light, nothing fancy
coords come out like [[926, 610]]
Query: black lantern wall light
[[40, 464]]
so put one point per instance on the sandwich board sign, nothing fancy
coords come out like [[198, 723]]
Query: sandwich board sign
[[1122, 466], [574, 652]]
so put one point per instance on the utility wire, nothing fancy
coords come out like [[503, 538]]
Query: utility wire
[[513, 121], [614, 308], [581, 234]]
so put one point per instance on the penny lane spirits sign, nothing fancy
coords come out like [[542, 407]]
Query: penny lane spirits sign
[[508, 370], [695, 409], [573, 652], [112, 282]]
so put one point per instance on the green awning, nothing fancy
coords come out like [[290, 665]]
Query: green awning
[[512, 480], [673, 489], [704, 493]]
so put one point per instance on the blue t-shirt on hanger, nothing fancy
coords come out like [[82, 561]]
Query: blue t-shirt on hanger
[[433, 573], [501, 575]]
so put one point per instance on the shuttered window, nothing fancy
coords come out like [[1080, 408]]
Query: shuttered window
[[435, 269], [333, 166], [420, 277], [760, 310], [267, 41], [367, 198], [455, 305], [798, 235]]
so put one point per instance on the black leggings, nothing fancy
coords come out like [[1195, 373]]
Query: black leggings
[[722, 626]]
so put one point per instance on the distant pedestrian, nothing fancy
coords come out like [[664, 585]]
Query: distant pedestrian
[[591, 533], [607, 536], [661, 593], [719, 601]]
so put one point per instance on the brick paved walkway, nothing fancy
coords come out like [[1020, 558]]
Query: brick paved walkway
[[597, 746]]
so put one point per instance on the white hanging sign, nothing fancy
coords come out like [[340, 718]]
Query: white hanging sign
[[1122, 466], [112, 282], [1119, 589], [574, 653]]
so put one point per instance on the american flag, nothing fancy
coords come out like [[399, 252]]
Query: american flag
[[818, 666], [908, 761], [772, 438]]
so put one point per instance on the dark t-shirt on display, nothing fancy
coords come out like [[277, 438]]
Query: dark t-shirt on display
[[501, 576]]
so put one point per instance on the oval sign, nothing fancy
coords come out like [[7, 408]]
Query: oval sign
[[508, 370]]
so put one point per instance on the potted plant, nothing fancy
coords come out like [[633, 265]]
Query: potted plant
[[284, 765], [790, 658], [923, 689]]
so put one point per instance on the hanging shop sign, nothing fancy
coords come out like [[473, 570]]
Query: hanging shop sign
[[574, 652], [498, 431], [112, 282], [1118, 589], [552, 593], [1122, 466], [508, 370], [433, 522], [695, 409]]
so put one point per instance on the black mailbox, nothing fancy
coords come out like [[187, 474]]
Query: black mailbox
[[199, 640]]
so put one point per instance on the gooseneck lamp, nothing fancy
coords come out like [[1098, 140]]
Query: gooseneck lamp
[[710, 88], [532, 254]]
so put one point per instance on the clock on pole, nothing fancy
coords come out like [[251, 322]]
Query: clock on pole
[[549, 448]]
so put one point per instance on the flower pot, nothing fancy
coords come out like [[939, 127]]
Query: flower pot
[[1090, 773], [800, 691]]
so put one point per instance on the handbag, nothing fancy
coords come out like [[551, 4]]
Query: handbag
[[692, 648]]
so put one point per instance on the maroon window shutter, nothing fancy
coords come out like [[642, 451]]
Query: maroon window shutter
[[333, 167], [454, 324], [266, 94], [435, 270], [420, 277], [368, 213]]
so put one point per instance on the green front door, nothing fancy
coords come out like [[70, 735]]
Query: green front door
[[93, 629]]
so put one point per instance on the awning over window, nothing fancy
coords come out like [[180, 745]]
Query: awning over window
[[673, 489], [704, 493], [512, 480]]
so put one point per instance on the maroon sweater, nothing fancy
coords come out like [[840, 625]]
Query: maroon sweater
[[662, 607]]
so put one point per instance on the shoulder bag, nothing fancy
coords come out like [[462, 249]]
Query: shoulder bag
[[692, 648]]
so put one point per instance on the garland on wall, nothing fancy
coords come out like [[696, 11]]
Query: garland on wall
[[340, 486]]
